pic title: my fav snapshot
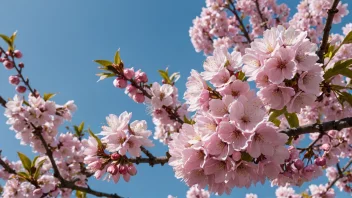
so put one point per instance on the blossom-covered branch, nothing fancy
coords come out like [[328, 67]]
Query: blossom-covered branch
[[321, 128]]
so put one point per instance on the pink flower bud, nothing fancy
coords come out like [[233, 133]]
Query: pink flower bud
[[236, 155], [132, 170], [115, 156], [320, 161], [2, 60], [21, 89], [128, 73], [17, 54], [14, 80], [141, 77], [123, 169], [326, 147], [21, 65], [8, 64], [138, 97], [130, 89], [299, 164], [120, 83], [112, 169]]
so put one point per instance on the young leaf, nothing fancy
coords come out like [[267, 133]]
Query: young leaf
[[241, 75], [292, 119], [103, 62], [348, 38], [48, 96], [275, 114], [34, 161], [26, 162], [100, 145], [24, 175], [175, 76], [338, 66], [6, 39], [80, 194], [81, 127], [345, 96], [117, 58], [13, 37], [39, 166], [165, 76]]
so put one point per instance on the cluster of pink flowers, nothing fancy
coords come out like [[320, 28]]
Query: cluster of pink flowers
[[217, 27], [119, 138], [27, 116], [344, 183], [231, 143], [283, 65], [314, 192], [165, 109], [311, 14], [136, 78]]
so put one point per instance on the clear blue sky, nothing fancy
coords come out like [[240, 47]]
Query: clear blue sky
[[60, 39]]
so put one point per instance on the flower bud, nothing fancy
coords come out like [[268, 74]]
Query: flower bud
[[115, 156], [21, 65], [236, 155], [21, 89], [123, 169], [299, 164], [320, 161], [132, 170], [8, 64], [120, 83], [14, 80], [128, 73], [130, 89], [2, 60], [17, 54], [112, 169], [138, 97], [141, 77]]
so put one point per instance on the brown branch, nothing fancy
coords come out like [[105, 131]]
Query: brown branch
[[326, 126], [340, 171], [6, 166], [3, 102], [242, 27], [331, 12], [261, 14], [156, 160]]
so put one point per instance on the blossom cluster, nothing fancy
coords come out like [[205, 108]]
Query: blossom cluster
[[311, 14], [283, 66], [119, 138], [218, 27]]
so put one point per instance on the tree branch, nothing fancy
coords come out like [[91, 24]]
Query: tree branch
[[2, 102], [341, 171], [260, 14], [243, 28], [6, 166], [326, 126], [151, 161], [331, 13]]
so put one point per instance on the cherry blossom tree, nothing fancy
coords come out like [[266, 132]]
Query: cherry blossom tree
[[224, 134]]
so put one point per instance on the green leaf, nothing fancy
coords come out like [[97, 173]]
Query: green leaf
[[100, 145], [13, 37], [165, 76], [241, 75], [246, 157], [80, 194], [175, 76], [105, 75], [81, 127], [26, 103], [188, 121], [23, 175], [48, 96], [26, 162], [117, 58], [103, 62], [37, 171], [346, 72], [7, 40], [289, 141], [348, 38], [275, 114], [336, 69], [292, 119], [34, 161], [345, 96]]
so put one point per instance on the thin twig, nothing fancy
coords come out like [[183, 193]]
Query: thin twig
[[331, 13], [261, 14], [2, 102], [341, 171], [242, 27]]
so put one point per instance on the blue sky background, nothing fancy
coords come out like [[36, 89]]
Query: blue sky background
[[60, 40]]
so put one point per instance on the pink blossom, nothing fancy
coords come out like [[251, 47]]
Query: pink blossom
[[277, 97]]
